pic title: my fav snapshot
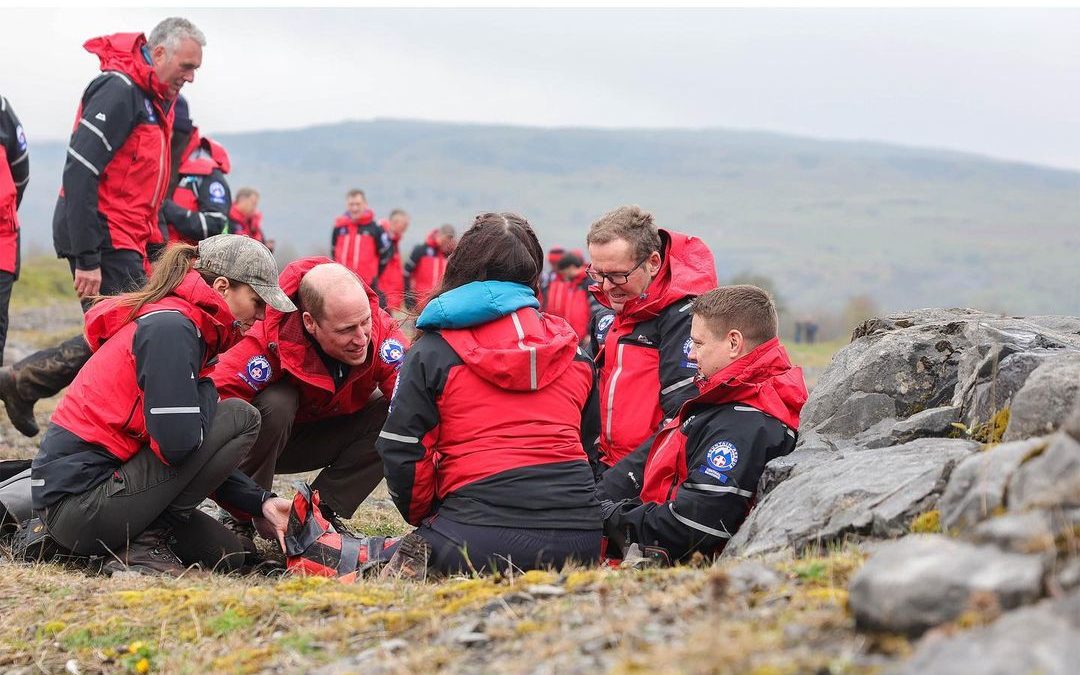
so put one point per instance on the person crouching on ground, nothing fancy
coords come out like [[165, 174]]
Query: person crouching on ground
[[140, 438], [482, 448], [703, 469]]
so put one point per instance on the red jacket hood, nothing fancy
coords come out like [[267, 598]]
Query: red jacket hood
[[763, 379], [687, 269], [193, 298], [497, 353], [287, 328], [123, 52], [365, 218], [431, 241], [215, 158]]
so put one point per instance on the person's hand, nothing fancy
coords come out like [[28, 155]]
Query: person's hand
[[274, 520], [87, 282]]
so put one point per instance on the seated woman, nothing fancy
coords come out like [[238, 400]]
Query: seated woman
[[140, 438], [482, 448]]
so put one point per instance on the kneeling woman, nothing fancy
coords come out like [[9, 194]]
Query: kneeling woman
[[140, 438], [482, 448]]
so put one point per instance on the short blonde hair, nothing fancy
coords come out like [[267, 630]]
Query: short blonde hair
[[747, 309], [630, 223]]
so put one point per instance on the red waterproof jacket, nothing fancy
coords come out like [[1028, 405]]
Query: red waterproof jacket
[[248, 226], [392, 278], [199, 206], [117, 168], [14, 176], [486, 422], [645, 372], [702, 471], [278, 348], [362, 246], [424, 271], [113, 416], [572, 301]]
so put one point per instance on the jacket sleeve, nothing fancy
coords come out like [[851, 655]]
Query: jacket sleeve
[[333, 242], [409, 268], [18, 155], [590, 420], [725, 457], [178, 407], [676, 372], [247, 368], [407, 443], [212, 217], [390, 352], [107, 118], [241, 496], [624, 479]]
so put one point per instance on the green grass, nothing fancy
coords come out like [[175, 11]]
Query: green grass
[[42, 280]]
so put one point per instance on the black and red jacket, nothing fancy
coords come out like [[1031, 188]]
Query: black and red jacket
[[158, 393], [485, 427], [200, 204], [645, 371], [14, 177], [248, 226], [698, 479], [362, 246], [572, 300], [424, 271], [117, 168], [392, 278], [278, 348]]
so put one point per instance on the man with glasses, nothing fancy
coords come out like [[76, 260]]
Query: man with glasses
[[648, 276]]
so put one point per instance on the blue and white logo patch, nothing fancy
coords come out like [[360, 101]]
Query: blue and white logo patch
[[257, 372], [602, 325], [722, 456], [217, 192], [391, 352], [20, 136], [687, 346], [149, 110]]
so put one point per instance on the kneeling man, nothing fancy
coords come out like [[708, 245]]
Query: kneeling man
[[703, 468], [313, 374]]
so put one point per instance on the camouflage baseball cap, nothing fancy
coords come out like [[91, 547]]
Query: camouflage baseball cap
[[241, 258]]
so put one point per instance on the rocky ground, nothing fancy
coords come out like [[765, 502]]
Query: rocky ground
[[929, 521]]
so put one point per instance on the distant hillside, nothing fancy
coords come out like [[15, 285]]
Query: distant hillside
[[826, 220]]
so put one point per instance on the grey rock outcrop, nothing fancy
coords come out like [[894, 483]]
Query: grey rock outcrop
[[977, 487], [1050, 479], [873, 493], [1044, 638], [1048, 396], [922, 581]]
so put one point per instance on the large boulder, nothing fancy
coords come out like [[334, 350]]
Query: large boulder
[[977, 488], [1050, 479], [921, 581], [1044, 638], [1048, 396], [851, 493], [903, 364]]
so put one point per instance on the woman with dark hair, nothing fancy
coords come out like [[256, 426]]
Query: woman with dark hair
[[140, 438], [483, 446]]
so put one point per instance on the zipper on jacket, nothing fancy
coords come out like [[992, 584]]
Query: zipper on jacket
[[611, 391]]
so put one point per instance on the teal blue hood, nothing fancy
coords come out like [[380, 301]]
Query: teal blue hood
[[476, 303]]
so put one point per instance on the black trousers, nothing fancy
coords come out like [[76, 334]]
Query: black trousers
[[144, 490], [44, 373], [7, 280], [462, 548]]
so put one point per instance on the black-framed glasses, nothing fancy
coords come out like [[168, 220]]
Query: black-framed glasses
[[617, 278]]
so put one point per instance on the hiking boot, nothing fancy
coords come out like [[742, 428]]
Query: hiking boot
[[19, 410], [410, 561], [336, 522], [241, 528], [148, 553]]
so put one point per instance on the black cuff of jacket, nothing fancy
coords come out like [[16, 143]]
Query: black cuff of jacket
[[88, 262], [243, 498]]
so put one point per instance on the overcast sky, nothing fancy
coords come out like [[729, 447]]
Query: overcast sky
[[1004, 83]]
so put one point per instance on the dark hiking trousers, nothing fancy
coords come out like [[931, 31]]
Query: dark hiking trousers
[[343, 447], [46, 372], [461, 548], [144, 489], [7, 280]]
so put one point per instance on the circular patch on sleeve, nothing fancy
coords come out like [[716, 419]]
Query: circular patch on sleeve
[[258, 369], [391, 351], [602, 325], [722, 456], [20, 136], [217, 192]]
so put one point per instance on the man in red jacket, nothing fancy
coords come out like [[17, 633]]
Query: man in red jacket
[[703, 469], [649, 278], [14, 177], [199, 206], [114, 181], [312, 374], [359, 244], [427, 265], [392, 278], [245, 217]]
